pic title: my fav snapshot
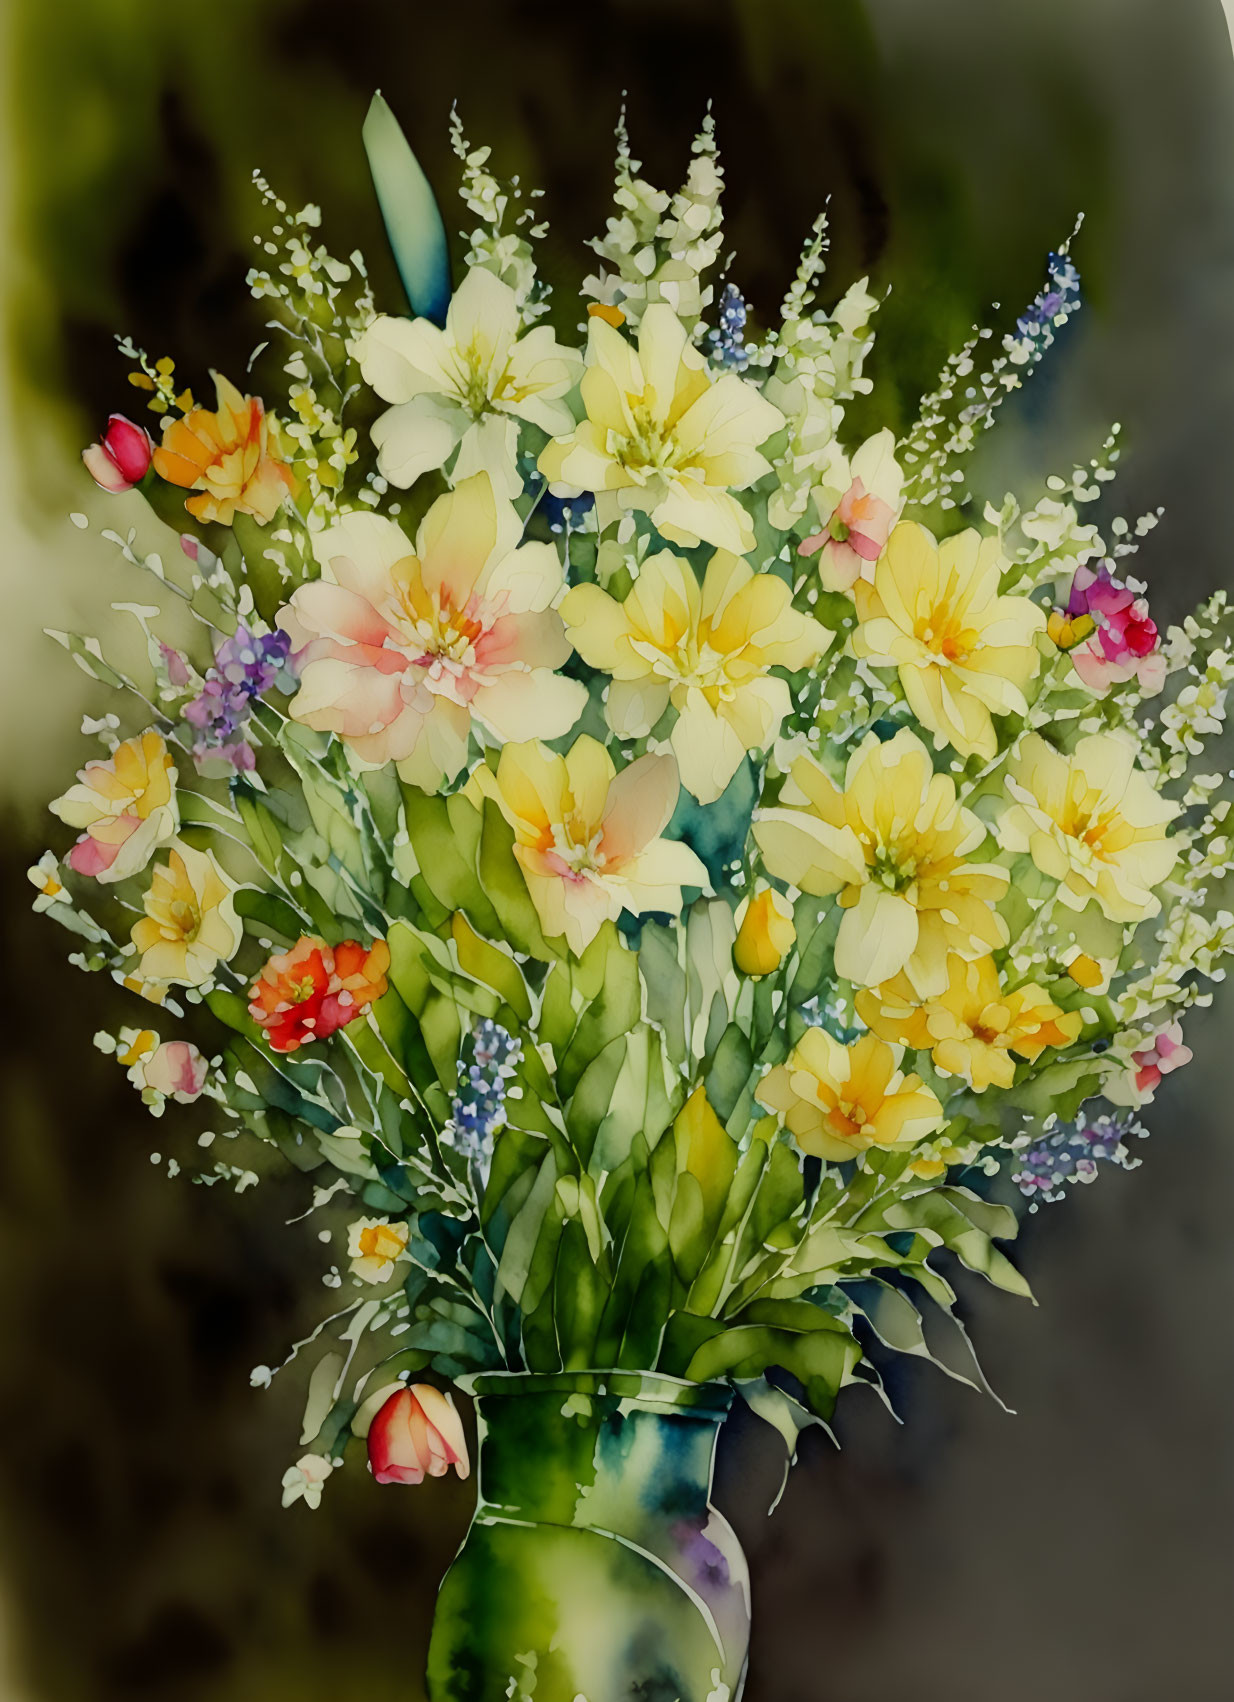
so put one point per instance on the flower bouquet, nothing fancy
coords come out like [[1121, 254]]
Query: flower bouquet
[[672, 875]]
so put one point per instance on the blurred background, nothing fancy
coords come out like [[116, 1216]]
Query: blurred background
[[1083, 1548]]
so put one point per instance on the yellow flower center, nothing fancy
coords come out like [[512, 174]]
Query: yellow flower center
[[848, 1119], [1099, 833], [944, 634], [379, 1241], [650, 446], [892, 868], [183, 920]]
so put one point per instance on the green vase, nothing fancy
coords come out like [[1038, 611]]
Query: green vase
[[595, 1568]]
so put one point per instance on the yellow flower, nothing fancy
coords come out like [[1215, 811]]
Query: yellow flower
[[963, 651], [894, 846], [707, 650], [375, 1247], [765, 932], [190, 923], [587, 838], [127, 806], [838, 1100], [663, 436], [1092, 822], [972, 1027], [464, 387]]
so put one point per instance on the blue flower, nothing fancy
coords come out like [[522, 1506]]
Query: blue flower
[[726, 345]]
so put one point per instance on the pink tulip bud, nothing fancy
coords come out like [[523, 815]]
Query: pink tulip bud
[[417, 1432], [122, 459]]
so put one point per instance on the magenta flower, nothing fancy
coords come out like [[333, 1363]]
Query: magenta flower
[[122, 459], [1125, 644]]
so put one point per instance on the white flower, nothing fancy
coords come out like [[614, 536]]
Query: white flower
[[465, 386], [304, 1480]]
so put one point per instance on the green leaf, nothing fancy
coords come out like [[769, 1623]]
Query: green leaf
[[410, 213], [578, 1299], [490, 965], [932, 1211], [268, 913], [521, 1238], [819, 1352]]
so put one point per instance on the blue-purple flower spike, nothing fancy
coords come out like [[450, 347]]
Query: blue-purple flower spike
[[479, 1112]]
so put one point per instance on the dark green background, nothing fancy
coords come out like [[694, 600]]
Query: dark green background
[[1082, 1550]]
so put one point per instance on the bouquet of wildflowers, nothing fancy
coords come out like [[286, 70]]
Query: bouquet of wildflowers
[[669, 873]]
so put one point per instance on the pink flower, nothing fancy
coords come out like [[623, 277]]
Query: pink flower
[[1125, 644], [402, 646], [122, 459], [1164, 1054], [127, 806], [856, 530], [417, 1431], [176, 1069]]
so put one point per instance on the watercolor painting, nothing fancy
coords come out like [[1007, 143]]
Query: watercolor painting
[[649, 815]]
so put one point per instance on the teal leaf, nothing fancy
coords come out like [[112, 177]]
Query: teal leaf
[[412, 217]]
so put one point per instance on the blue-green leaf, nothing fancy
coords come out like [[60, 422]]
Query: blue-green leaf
[[412, 217]]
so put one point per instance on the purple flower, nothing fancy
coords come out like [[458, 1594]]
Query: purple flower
[[1070, 1153], [1053, 305], [245, 665]]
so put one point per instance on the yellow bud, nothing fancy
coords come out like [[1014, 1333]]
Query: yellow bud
[[766, 934], [1066, 631], [1085, 971], [166, 366], [607, 311], [137, 1048], [141, 381]]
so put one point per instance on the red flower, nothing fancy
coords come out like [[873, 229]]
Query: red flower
[[122, 459], [310, 991]]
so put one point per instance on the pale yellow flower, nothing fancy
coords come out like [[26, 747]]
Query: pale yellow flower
[[894, 844], [707, 650], [375, 1247], [587, 838], [973, 1026], [190, 925], [465, 387], [766, 932], [127, 807], [963, 652], [838, 1101], [663, 436], [1092, 822]]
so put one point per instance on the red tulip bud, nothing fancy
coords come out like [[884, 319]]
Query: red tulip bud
[[122, 459], [417, 1432]]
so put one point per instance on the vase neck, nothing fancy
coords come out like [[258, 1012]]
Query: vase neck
[[619, 1452]]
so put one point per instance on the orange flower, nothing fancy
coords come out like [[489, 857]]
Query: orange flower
[[227, 455], [313, 989]]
